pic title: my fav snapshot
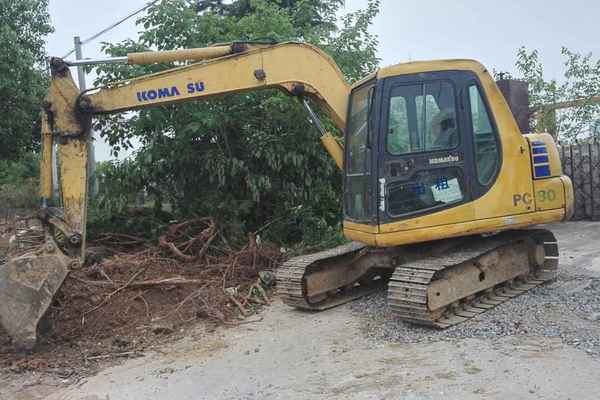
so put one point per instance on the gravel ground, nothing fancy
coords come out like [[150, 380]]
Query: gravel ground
[[568, 308]]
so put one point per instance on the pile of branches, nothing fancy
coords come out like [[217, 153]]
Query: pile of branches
[[20, 235], [192, 272]]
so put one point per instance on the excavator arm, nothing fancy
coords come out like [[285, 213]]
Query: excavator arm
[[28, 283]]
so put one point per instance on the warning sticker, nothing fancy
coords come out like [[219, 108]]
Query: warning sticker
[[446, 191]]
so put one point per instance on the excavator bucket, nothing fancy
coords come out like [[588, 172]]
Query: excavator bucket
[[28, 284]]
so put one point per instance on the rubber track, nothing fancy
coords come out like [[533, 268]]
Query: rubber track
[[407, 289], [290, 279]]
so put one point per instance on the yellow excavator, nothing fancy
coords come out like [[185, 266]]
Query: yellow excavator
[[441, 186]]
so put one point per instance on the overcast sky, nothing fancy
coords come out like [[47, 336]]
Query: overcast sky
[[489, 31]]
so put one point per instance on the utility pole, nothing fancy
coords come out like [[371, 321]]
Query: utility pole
[[80, 70]]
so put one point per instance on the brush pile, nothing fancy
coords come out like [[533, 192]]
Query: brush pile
[[24, 232], [132, 291], [188, 275]]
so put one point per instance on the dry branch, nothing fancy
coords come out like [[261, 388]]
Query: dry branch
[[114, 292], [154, 282]]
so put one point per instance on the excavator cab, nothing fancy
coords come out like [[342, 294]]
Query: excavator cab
[[432, 147]]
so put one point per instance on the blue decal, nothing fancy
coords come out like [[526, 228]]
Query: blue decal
[[153, 94], [538, 143], [442, 183], [539, 150], [542, 171], [540, 159], [195, 87], [173, 91]]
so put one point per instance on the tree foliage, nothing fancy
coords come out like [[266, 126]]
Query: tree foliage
[[245, 159], [581, 80], [23, 26], [15, 172]]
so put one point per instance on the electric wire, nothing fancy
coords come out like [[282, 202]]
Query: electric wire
[[119, 22]]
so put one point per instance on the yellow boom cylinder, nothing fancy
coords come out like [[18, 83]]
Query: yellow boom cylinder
[[153, 57]]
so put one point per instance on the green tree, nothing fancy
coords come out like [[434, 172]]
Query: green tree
[[23, 26], [245, 159], [581, 80]]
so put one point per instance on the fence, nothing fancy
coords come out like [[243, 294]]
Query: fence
[[581, 162]]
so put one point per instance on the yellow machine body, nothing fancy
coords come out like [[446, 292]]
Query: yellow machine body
[[519, 197]]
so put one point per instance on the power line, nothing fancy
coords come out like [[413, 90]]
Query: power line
[[119, 22]]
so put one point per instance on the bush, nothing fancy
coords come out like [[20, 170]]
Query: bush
[[19, 182], [22, 195]]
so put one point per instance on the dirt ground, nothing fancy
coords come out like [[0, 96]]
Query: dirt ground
[[298, 355]]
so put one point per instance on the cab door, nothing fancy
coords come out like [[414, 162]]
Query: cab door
[[426, 145]]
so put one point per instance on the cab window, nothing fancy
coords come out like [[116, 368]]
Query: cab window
[[399, 133], [422, 118], [485, 143], [429, 189]]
